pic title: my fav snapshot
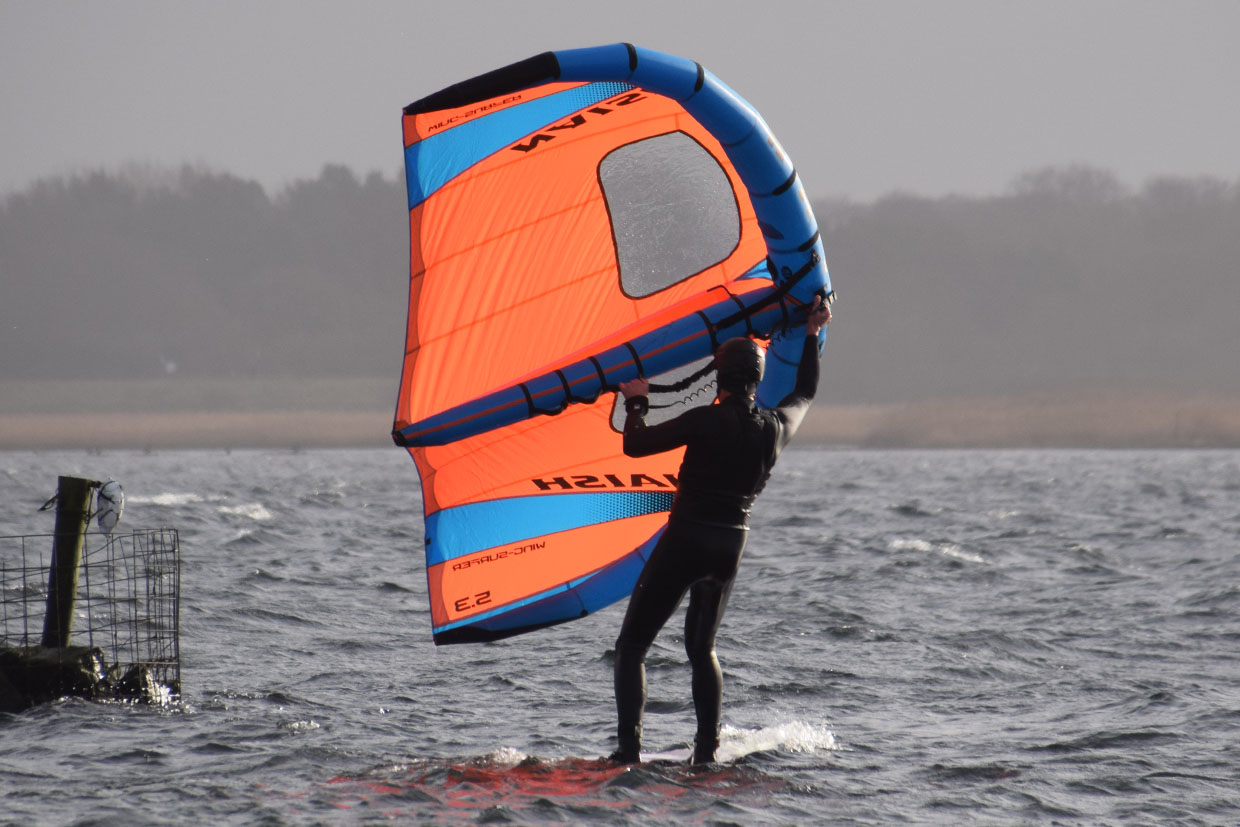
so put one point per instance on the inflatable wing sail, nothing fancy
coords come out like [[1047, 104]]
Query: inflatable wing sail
[[576, 220]]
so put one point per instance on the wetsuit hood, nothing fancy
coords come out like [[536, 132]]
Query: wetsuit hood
[[740, 364]]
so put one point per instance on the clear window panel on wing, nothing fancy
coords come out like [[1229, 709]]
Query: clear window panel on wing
[[673, 211]]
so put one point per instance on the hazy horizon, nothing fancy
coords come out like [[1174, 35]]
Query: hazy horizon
[[1070, 280], [961, 96]]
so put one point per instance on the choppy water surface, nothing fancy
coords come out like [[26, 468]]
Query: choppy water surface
[[936, 638]]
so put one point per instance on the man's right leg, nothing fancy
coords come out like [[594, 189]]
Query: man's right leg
[[707, 600], [706, 603]]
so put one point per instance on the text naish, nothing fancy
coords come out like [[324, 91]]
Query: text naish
[[580, 119], [605, 481]]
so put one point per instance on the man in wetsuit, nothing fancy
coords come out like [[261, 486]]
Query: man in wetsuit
[[730, 448]]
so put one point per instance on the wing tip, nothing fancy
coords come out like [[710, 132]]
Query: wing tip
[[478, 634], [520, 75]]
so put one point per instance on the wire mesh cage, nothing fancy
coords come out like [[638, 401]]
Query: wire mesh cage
[[127, 600]]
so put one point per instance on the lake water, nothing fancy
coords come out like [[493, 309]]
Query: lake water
[[992, 637]]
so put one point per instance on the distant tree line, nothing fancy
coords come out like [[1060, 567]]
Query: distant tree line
[[143, 273], [1068, 280]]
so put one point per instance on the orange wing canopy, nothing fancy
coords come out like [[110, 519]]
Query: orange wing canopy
[[576, 220]]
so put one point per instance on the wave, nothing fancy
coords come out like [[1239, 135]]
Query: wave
[[947, 549], [253, 511]]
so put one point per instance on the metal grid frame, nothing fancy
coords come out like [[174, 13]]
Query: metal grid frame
[[128, 597]]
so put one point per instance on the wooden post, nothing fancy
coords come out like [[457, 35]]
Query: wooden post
[[72, 511]]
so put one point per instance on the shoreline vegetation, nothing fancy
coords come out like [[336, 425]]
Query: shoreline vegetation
[[190, 308], [322, 413]]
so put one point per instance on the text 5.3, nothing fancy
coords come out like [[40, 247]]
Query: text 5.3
[[465, 603]]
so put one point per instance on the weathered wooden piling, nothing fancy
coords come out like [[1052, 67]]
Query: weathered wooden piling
[[72, 512]]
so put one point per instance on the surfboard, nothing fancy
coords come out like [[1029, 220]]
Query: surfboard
[[726, 754]]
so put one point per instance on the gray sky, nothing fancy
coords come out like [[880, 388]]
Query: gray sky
[[951, 96]]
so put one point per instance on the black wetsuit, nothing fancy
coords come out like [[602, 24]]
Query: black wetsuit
[[730, 448]]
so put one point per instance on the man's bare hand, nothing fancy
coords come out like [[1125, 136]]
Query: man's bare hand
[[635, 387], [819, 316]]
